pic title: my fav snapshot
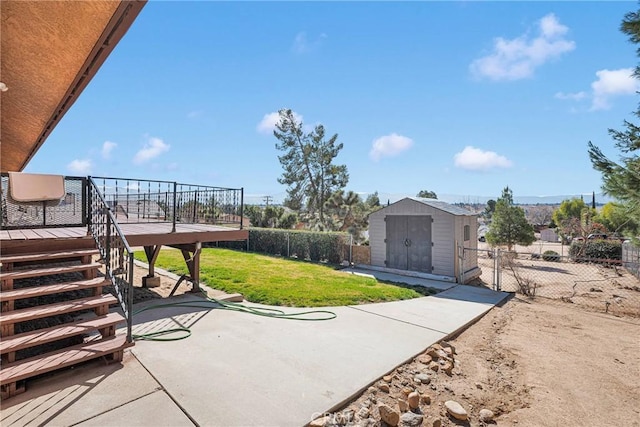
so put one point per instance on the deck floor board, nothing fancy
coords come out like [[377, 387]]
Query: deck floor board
[[138, 234]]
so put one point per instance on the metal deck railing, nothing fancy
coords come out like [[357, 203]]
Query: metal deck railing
[[130, 200], [114, 250]]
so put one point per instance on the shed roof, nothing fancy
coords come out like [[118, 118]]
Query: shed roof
[[443, 206]]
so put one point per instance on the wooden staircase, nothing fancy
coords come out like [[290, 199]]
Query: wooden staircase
[[32, 341]]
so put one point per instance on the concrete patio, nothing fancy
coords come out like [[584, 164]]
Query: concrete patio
[[239, 369]]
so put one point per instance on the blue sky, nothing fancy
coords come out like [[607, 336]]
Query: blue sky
[[462, 98]]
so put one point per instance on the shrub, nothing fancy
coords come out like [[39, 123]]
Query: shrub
[[552, 256], [309, 245], [596, 250]]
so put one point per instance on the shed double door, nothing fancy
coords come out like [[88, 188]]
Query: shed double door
[[409, 244]]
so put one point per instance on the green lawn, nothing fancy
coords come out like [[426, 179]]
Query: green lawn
[[278, 281]]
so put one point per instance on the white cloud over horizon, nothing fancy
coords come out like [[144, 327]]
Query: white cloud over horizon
[[268, 123], [80, 166], [302, 44], [389, 146], [611, 83], [518, 58], [476, 159], [152, 149], [107, 148]]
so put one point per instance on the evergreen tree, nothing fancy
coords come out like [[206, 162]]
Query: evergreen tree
[[427, 194], [309, 171], [509, 225], [622, 179]]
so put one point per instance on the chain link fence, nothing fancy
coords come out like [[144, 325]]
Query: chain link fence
[[594, 284]]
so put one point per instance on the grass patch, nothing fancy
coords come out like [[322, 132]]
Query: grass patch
[[278, 281]]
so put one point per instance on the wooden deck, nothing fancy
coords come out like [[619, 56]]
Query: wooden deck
[[142, 234]]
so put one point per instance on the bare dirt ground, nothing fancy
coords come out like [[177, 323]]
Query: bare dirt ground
[[593, 286], [531, 364]]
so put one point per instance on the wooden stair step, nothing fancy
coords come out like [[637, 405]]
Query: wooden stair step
[[22, 315], [47, 256], [37, 291], [38, 272], [55, 333], [37, 365]]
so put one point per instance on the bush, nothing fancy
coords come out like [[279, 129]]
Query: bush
[[308, 245], [552, 256], [596, 250]]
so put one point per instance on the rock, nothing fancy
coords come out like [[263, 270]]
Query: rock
[[437, 423], [456, 410], [403, 405], [426, 399], [388, 415], [442, 354], [387, 378], [320, 422], [422, 378], [447, 368], [424, 359], [412, 420], [348, 415], [407, 390], [413, 400], [486, 415], [384, 387], [434, 366], [372, 389], [363, 412], [432, 352], [446, 345]]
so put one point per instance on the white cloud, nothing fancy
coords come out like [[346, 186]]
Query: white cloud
[[107, 148], [518, 58], [476, 159], [575, 96], [268, 123], [152, 148], [612, 83], [80, 166], [301, 44], [389, 145]]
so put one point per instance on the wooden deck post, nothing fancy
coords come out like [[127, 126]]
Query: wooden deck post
[[191, 255], [152, 255]]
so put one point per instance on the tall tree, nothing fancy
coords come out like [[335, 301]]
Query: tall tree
[[427, 194], [372, 201], [622, 179], [509, 226], [616, 219], [570, 208], [309, 171], [489, 209]]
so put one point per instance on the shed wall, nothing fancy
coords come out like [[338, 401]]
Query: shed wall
[[442, 230]]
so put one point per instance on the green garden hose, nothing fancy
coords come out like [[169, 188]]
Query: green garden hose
[[212, 303]]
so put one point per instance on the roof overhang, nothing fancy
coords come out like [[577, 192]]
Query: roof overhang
[[50, 52]]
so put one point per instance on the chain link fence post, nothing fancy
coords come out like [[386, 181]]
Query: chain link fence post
[[498, 269]]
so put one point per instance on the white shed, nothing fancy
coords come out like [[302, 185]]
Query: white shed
[[425, 235]]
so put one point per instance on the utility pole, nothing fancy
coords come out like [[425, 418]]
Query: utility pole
[[267, 199]]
